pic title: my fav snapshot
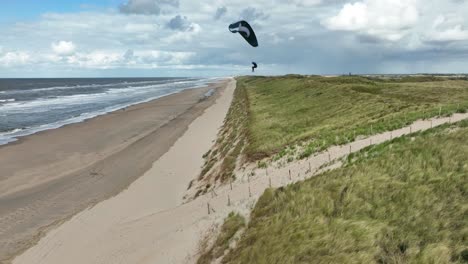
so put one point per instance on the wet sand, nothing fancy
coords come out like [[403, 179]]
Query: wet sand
[[48, 177]]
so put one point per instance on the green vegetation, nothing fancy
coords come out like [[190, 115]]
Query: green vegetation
[[229, 145], [232, 224], [405, 201], [284, 111]]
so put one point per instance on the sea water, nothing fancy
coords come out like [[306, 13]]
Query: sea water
[[28, 106]]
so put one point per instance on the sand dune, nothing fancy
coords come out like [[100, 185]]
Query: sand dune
[[147, 223]]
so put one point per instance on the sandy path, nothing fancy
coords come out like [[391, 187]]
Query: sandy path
[[148, 224]]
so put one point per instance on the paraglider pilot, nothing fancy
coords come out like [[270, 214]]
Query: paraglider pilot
[[254, 66]]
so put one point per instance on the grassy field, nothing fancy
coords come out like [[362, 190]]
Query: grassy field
[[405, 201], [283, 111]]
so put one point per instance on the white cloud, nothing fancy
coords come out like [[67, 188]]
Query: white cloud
[[457, 33], [14, 59], [63, 48], [95, 59], [309, 36], [384, 19], [447, 29]]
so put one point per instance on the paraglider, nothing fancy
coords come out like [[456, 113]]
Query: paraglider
[[246, 31], [254, 66]]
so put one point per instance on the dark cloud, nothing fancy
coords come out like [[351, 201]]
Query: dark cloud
[[129, 54], [221, 11], [180, 23], [368, 39], [251, 14], [147, 7]]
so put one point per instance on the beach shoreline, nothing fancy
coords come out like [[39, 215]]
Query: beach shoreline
[[49, 176]]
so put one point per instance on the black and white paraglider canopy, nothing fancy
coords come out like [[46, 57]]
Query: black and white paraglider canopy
[[245, 30]]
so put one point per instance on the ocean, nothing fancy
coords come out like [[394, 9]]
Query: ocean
[[28, 106]]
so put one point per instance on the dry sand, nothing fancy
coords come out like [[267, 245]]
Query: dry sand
[[147, 223], [49, 176], [105, 233]]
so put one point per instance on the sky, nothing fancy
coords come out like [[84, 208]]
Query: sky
[[151, 38]]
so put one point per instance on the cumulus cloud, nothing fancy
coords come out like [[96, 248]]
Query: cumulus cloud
[[14, 58], [303, 36], [160, 58], [147, 7], [447, 29], [102, 59], [251, 14], [63, 48], [383, 19], [221, 11], [181, 23]]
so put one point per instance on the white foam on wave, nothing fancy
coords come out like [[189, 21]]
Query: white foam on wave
[[11, 136], [60, 102], [165, 81], [46, 104], [7, 100]]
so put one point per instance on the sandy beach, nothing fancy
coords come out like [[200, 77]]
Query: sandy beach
[[50, 176], [116, 231]]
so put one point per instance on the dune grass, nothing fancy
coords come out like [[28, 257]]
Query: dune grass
[[221, 160], [332, 111], [405, 201], [232, 224]]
